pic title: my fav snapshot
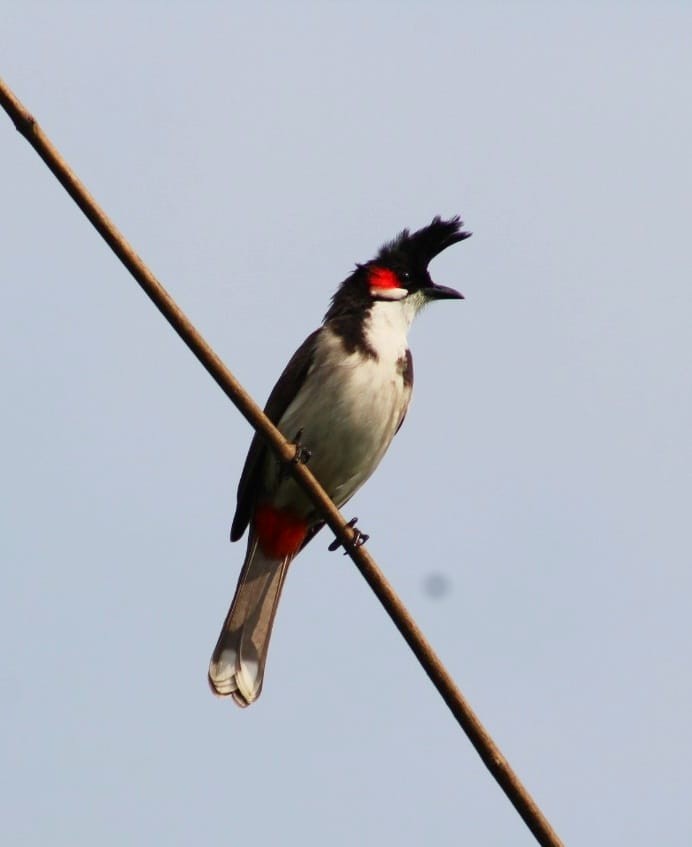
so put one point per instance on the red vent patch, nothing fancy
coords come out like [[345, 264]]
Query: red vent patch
[[280, 533]]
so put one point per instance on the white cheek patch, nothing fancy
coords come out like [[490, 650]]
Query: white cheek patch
[[388, 293]]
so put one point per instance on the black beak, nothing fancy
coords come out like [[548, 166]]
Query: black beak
[[442, 292]]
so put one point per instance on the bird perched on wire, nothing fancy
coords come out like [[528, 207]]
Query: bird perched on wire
[[343, 396]]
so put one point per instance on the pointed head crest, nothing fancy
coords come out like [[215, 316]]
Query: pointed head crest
[[418, 249]]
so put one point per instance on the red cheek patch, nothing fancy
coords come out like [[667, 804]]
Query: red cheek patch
[[280, 533], [383, 278]]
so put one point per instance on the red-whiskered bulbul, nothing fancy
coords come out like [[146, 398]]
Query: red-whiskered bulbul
[[343, 395]]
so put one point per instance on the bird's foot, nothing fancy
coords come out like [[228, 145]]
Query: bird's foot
[[359, 538], [302, 455]]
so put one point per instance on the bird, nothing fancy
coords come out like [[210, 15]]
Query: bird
[[342, 398]]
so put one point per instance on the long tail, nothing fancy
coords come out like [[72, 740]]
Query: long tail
[[237, 664]]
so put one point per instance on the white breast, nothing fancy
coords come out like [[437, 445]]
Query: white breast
[[349, 408]]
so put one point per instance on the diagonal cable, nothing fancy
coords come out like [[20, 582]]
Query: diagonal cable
[[486, 748]]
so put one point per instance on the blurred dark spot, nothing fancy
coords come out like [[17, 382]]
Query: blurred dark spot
[[437, 585]]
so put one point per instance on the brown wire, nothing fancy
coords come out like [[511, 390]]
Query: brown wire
[[457, 703]]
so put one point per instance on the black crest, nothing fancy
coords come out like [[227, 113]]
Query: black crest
[[418, 249]]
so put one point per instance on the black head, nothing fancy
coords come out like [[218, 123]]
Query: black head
[[400, 270]]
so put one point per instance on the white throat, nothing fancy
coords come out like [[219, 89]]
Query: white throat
[[387, 326]]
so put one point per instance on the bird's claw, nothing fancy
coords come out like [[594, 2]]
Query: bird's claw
[[302, 455], [359, 538]]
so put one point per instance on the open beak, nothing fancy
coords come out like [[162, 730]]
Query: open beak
[[442, 292]]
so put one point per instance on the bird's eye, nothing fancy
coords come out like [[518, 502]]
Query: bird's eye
[[405, 276]]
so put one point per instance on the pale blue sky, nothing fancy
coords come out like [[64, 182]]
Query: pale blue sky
[[252, 156]]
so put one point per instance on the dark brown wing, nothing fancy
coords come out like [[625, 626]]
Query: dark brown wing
[[282, 394]]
